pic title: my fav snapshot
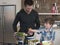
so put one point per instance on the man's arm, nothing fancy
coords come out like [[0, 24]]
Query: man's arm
[[35, 30], [37, 21], [15, 22]]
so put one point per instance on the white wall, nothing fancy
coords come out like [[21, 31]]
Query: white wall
[[57, 37], [10, 2]]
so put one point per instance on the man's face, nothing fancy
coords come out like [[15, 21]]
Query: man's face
[[47, 25], [28, 8]]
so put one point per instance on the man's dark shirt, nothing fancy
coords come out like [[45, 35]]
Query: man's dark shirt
[[26, 21]]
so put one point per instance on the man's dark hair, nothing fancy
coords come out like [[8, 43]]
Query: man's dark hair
[[28, 2], [49, 20]]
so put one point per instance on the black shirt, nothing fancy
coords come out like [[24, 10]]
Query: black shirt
[[26, 21]]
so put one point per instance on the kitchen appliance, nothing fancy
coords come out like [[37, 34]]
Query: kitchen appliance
[[7, 15]]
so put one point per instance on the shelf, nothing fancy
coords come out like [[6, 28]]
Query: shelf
[[49, 13]]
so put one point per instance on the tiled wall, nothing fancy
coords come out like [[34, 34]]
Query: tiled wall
[[44, 6]]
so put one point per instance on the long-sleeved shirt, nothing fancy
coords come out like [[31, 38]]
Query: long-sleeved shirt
[[26, 21], [47, 36]]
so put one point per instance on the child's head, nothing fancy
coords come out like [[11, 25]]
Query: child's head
[[48, 22]]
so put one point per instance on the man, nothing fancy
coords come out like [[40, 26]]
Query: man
[[27, 17]]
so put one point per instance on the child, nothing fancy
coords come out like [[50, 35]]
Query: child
[[48, 33]]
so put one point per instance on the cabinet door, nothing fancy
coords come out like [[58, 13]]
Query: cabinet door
[[9, 15], [1, 28]]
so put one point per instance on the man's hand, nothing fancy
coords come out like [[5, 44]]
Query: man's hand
[[30, 29], [15, 34], [30, 32]]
